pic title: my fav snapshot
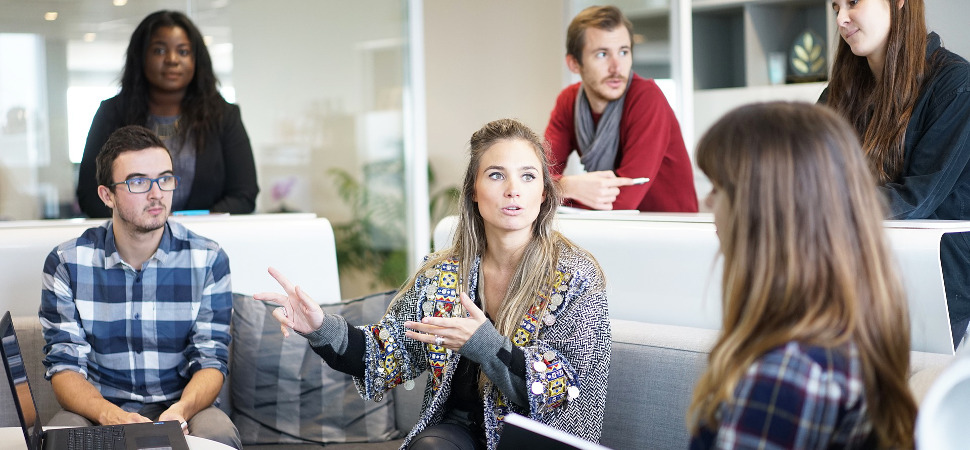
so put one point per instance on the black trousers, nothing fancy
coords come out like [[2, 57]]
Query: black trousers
[[456, 432]]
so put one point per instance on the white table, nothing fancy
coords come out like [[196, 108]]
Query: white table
[[11, 438]]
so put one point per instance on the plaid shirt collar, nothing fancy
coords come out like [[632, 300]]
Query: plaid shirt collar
[[112, 258]]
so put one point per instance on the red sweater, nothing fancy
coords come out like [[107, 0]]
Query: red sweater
[[651, 146]]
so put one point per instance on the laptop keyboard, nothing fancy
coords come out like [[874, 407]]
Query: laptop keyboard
[[108, 437]]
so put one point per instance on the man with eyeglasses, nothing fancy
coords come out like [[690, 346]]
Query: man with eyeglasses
[[136, 311]]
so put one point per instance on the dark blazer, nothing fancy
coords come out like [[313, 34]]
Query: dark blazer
[[225, 173]]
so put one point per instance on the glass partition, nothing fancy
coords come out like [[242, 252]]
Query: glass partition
[[320, 86]]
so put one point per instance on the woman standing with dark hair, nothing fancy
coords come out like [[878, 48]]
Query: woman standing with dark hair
[[909, 100], [814, 344], [511, 318], [168, 85]]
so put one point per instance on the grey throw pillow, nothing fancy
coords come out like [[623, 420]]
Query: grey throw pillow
[[283, 392]]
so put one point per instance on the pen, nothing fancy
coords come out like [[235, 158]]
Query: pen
[[640, 180]]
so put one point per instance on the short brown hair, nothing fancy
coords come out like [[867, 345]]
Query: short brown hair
[[124, 139], [603, 17]]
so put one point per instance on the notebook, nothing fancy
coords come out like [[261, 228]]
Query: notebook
[[137, 436], [522, 432]]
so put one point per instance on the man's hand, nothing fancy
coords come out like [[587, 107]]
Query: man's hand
[[174, 412], [120, 417], [597, 190], [77, 395]]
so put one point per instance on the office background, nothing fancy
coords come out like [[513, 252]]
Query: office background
[[327, 90]]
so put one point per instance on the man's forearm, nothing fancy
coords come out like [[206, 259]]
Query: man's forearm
[[200, 392], [77, 395]]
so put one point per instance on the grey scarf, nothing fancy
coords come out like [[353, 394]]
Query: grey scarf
[[598, 144]]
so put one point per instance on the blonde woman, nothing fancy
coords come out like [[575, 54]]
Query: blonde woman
[[512, 318], [814, 347]]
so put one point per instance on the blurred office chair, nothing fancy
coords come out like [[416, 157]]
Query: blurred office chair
[[941, 423]]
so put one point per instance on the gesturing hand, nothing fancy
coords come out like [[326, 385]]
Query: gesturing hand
[[597, 190], [297, 310], [451, 332]]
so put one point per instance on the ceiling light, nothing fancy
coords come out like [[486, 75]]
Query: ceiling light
[[120, 2], [207, 40], [89, 37], [51, 15]]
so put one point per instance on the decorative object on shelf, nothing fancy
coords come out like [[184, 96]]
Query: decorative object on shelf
[[776, 67], [807, 58]]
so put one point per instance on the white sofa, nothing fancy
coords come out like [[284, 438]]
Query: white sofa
[[300, 245]]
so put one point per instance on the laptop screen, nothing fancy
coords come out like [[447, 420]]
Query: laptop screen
[[16, 373]]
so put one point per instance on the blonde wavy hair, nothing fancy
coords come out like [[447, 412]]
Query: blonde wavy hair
[[541, 254], [804, 257]]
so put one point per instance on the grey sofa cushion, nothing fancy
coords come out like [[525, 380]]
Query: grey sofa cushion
[[284, 393], [653, 370]]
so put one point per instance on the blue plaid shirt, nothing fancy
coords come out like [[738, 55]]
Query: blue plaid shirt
[[795, 397], [138, 336]]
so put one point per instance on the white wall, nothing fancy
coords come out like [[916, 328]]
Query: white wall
[[487, 60], [949, 19]]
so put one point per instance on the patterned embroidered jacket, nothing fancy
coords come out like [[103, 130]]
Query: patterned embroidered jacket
[[565, 338]]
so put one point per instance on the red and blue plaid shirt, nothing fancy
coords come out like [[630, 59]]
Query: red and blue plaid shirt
[[795, 397], [138, 336]]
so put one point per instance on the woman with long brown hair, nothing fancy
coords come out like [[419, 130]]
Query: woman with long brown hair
[[909, 100], [814, 346], [511, 318]]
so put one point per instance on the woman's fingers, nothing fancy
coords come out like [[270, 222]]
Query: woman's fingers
[[282, 280], [426, 327], [281, 315], [271, 297]]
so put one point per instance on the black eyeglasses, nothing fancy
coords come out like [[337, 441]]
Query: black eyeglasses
[[142, 185]]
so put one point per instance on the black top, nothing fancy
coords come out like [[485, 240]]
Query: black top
[[225, 173]]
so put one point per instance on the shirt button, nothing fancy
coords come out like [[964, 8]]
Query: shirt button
[[137, 316]]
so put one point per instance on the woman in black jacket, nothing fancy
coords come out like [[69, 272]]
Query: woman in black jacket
[[908, 97], [168, 85]]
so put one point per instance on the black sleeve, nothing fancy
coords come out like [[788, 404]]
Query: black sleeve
[[240, 188], [514, 360], [106, 120], [352, 361]]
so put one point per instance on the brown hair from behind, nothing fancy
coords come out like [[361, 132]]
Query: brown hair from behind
[[804, 257], [125, 139], [602, 17]]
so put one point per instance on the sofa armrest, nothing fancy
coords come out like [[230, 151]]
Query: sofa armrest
[[31, 338]]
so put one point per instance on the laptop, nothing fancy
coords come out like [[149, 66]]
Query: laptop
[[136, 436], [522, 432]]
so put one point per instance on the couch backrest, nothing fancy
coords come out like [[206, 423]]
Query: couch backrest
[[663, 268], [299, 245]]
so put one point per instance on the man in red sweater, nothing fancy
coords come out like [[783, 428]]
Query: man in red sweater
[[622, 126]]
